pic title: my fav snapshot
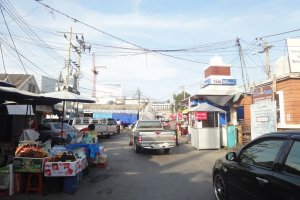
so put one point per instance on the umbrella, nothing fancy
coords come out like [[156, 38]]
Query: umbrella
[[67, 96], [207, 108], [177, 115]]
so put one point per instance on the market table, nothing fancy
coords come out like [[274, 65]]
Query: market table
[[32, 168], [70, 171]]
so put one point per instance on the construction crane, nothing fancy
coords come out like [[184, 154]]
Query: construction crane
[[95, 73]]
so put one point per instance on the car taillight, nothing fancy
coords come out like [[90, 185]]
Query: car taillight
[[174, 138], [140, 139]]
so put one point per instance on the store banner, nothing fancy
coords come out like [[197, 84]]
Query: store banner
[[201, 115], [294, 54]]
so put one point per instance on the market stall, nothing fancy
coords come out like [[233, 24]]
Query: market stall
[[33, 165]]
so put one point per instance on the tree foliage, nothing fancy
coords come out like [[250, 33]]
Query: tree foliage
[[177, 98]]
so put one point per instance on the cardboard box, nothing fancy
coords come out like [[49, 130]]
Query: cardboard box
[[53, 169]]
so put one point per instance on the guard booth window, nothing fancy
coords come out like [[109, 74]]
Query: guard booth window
[[211, 120]]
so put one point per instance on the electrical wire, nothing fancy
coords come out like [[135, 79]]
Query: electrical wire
[[15, 48]]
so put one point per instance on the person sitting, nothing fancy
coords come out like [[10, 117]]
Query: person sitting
[[89, 135]]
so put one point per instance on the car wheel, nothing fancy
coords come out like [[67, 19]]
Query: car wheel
[[220, 187], [167, 150], [137, 149]]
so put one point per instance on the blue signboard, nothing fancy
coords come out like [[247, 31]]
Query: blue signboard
[[228, 81]]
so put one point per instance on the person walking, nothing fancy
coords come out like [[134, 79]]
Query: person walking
[[118, 126], [173, 127]]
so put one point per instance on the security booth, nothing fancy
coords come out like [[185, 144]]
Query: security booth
[[204, 126]]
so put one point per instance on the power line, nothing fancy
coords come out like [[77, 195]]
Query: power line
[[276, 34], [12, 38], [115, 37]]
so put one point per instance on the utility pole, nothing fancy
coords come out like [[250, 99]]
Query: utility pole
[[176, 122], [243, 65], [95, 73], [266, 47], [139, 102], [81, 47], [69, 60], [183, 91]]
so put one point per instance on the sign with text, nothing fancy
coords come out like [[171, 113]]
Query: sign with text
[[294, 54], [262, 93], [263, 118], [201, 115], [219, 81]]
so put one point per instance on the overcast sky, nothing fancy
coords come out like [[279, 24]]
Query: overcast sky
[[158, 46]]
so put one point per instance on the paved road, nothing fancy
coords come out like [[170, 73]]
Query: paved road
[[184, 174]]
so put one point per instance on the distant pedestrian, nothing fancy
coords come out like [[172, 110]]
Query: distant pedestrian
[[118, 125], [173, 126]]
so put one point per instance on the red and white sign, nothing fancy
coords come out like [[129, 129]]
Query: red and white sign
[[201, 115]]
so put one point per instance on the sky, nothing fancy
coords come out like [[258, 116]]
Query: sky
[[159, 47]]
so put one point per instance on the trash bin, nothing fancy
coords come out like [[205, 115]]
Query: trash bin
[[231, 136]]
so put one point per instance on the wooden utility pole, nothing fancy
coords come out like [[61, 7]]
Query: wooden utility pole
[[266, 49], [243, 65]]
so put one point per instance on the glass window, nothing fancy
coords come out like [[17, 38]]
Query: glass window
[[292, 163], [262, 153], [149, 124]]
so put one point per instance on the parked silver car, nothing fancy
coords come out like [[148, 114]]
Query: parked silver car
[[57, 130]]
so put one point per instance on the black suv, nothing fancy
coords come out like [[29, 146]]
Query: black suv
[[266, 168]]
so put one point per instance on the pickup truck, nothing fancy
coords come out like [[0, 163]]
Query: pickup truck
[[103, 127], [78, 122], [150, 134]]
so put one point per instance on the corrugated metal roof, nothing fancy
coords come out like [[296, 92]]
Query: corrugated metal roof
[[15, 79]]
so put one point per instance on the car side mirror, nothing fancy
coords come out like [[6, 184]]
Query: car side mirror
[[231, 156]]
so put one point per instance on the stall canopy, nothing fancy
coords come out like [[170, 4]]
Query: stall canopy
[[205, 107], [24, 97], [68, 96], [19, 110]]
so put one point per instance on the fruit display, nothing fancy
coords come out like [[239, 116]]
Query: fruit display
[[63, 157], [31, 150]]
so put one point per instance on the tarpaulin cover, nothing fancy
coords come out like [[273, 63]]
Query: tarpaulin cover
[[99, 115], [94, 148]]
